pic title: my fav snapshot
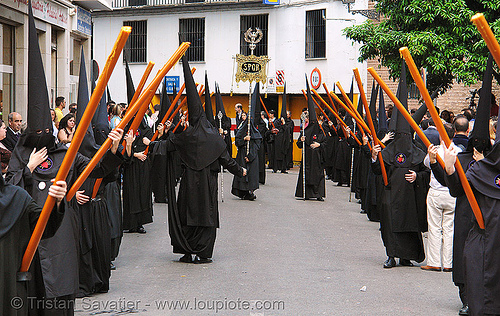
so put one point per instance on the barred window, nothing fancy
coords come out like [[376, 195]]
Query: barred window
[[315, 34], [132, 3], [135, 48], [254, 21], [193, 31]]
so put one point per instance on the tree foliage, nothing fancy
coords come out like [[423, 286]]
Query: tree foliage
[[438, 33]]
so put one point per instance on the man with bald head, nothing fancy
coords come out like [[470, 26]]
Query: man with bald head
[[13, 131], [461, 125]]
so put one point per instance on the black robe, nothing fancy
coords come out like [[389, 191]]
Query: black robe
[[225, 124], [330, 149], [194, 216], [262, 128], [315, 175], [137, 199], [282, 145], [19, 217], [242, 187], [59, 254], [403, 211], [343, 160], [481, 256]]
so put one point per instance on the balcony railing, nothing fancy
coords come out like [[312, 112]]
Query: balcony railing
[[132, 3]]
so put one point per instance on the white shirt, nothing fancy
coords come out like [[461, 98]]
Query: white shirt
[[435, 183]]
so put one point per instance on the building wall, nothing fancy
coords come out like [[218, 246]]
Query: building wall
[[51, 19]]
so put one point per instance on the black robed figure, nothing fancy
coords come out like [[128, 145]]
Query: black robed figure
[[223, 123], [314, 139], [283, 140], [244, 187], [475, 255], [137, 197], [34, 163], [18, 217], [403, 215], [193, 216], [95, 241]]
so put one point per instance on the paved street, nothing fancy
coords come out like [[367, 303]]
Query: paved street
[[273, 256]]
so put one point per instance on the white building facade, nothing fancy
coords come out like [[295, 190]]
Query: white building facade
[[63, 28], [299, 36]]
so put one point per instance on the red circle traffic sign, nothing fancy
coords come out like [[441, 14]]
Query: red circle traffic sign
[[315, 78]]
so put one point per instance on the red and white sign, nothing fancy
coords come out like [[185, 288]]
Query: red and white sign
[[315, 78], [280, 77]]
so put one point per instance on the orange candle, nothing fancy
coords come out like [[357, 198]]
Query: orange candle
[[488, 36], [262, 102], [329, 97], [75, 144], [442, 132], [344, 125], [354, 116], [128, 116], [370, 122], [348, 101]]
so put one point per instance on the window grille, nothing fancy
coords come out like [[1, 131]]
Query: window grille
[[193, 31], [254, 21], [315, 34], [135, 48]]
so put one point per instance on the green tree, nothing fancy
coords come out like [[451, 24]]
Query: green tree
[[438, 33]]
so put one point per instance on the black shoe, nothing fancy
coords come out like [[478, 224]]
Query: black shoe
[[320, 199], [200, 260], [141, 230], [405, 262], [113, 267], [186, 259], [133, 230], [363, 212], [252, 197], [464, 310], [339, 184], [285, 172], [389, 263]]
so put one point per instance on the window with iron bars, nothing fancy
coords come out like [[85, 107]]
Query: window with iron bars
[[193, 31], [315, 34], [254, 21], [135, 48]]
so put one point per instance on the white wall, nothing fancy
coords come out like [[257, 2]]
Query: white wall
[[286, 45]]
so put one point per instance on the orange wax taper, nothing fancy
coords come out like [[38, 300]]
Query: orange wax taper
[[488, 36], [319, 107], [403, 111], [344, 125], [354, 116], [75, 144], [128, 116], [262, 102], [370, 122], [353, 110], [142, 83], [442, 132], [329, 97]]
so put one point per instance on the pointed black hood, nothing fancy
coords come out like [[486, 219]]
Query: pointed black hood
[[243, 129], [88, 147], [480, 135], [208, 103], [100, 123], [402, 126], [108, 94], [283, 105], [164, 104], [39, 118], [129, 81], [195, 109], [310, 105], [420, 112], [200, 144], [373, 102], [382, 116], [484, 175], [219, 106], [402, 152]]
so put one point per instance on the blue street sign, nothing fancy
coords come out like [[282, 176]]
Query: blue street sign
[[273, 2], [170, 81]]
